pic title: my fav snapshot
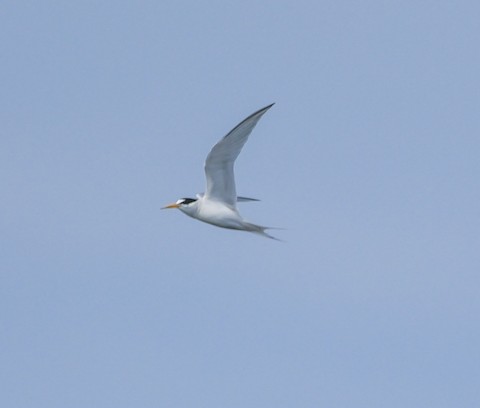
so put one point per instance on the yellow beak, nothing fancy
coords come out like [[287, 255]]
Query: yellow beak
[[174, 205]]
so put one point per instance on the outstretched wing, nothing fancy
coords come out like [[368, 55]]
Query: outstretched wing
[[246, 199], [220, 160], [240, 199]]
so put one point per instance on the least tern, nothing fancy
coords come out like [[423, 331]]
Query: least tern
[[218, 205]]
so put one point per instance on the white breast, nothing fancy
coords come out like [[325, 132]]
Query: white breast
[[219, 214]]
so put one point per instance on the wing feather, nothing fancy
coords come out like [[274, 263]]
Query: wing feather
[[220, 160]]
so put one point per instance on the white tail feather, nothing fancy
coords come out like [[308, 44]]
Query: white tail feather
[[259, 229]]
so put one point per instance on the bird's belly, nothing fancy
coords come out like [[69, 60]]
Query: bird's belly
[[221, 216]]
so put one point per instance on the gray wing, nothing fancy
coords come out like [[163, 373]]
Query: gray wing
[[246, 199], [220, 160], [240, 199]]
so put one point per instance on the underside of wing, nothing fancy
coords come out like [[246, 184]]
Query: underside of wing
[[220, 160]]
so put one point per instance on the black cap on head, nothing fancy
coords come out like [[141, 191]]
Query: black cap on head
[[186, 200]]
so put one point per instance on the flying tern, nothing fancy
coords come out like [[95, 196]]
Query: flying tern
[[218, 205]]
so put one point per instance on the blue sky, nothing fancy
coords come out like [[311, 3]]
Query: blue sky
[[369, 159]]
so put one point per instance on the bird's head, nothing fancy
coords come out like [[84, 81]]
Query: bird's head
[[186, 205]]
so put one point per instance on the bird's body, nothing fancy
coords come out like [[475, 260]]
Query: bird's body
[[218, 206], [214, 212]]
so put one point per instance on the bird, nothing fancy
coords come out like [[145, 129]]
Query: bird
[[218, 205]]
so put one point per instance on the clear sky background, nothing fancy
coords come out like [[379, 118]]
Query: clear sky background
[[370, 159]]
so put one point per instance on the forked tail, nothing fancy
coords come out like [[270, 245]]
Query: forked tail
[[259, 229]]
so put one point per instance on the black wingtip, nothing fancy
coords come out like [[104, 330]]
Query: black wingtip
[[262, 110]]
